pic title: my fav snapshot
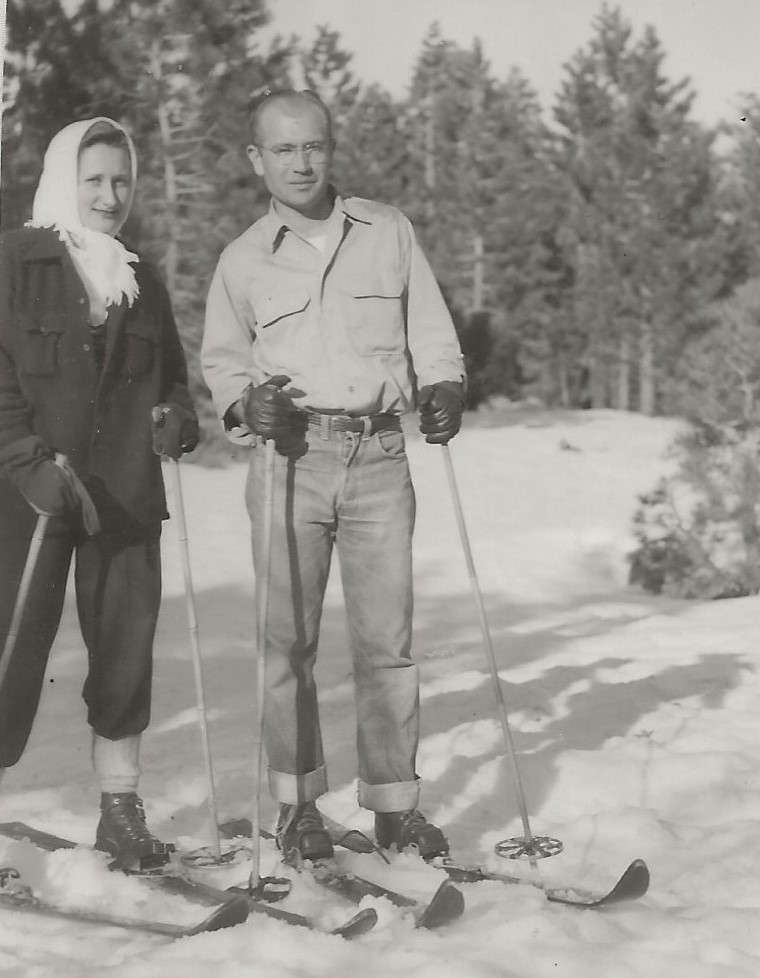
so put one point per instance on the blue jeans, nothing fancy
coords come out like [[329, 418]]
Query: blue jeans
[[356, 493]]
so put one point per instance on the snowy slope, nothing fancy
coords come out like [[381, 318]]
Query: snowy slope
[[635, 719]]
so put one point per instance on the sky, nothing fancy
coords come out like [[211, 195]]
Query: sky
[[714, 42]]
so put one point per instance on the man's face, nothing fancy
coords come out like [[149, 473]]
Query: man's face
[[293, 153]]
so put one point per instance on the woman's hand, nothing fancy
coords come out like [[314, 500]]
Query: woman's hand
[[175, 430]]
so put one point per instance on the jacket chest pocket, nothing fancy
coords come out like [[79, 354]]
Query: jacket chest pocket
[[376, 321], [139, 353], [41, 342], [278, 317]]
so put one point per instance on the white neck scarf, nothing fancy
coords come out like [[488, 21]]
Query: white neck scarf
[[102, 262]]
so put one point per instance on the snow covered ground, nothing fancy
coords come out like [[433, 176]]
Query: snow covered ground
[[635, 719]]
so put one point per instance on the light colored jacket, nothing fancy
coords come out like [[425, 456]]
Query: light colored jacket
[[359, 326]]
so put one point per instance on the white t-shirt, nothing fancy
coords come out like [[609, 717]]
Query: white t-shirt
[[318, 241]]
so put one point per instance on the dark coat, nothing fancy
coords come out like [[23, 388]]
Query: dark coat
[[55, 396]]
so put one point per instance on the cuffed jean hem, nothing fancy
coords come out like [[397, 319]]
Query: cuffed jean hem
[[295, 789], [399, 796]]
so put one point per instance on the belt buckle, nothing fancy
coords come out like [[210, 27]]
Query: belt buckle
[[324, 427], [367, 432]]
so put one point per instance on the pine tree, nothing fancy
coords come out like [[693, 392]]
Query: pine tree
[[741, 195], [520, 200], [325, 67], [644, 214], [447, 102], [491, 207], [372, 154]]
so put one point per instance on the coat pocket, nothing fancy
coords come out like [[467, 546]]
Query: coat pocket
[[139, 354], [40, 351], [376, 324]]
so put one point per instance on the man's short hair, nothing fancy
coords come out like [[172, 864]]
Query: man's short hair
[[288, 96]]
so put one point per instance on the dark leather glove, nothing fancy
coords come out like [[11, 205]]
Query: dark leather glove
[[441, 406], [269, 412], [175, 430], [52, 488], [47, 489]]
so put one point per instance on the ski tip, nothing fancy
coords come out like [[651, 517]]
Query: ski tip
[[447, 904], [359, 924], [229, 914], [639, 865], [13, 829], [634, 882]]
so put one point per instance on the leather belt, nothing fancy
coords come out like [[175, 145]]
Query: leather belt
[[366, 425]]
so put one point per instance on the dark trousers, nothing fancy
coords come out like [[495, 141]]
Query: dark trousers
[[117, 578]]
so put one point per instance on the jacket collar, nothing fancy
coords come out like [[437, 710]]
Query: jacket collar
[[355, 210], [40, 244], [276, 228]]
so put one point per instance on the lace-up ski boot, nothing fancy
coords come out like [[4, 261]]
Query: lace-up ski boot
[[404, 829], [301, 833], [122, 832]]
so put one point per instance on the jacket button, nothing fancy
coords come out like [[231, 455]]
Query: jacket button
[[87, 347], [81, 302]]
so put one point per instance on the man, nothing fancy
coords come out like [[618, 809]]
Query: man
[[323, 322]]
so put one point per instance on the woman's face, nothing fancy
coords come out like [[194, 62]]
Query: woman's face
[[104, 187]]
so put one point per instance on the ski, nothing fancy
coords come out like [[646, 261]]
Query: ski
[[178, 884], [446, 904], [360, 923], [15, 896], [632, 885]]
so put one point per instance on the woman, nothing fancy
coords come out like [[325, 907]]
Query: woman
[[89, 356]]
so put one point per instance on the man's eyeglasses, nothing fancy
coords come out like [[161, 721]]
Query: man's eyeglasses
[[285, 154]]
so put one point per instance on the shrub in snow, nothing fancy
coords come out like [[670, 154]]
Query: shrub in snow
[[698, 531]]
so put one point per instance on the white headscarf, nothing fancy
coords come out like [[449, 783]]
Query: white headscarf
[[102, 261]]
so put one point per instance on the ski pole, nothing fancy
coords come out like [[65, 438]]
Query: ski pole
[[196, 654], [23, 592], [272, 888], [91, 525], [530, 845]]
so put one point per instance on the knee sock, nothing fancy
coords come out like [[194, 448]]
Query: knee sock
[[116, 763]]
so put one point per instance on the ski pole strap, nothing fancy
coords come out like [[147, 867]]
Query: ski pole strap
[[89, 513]]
